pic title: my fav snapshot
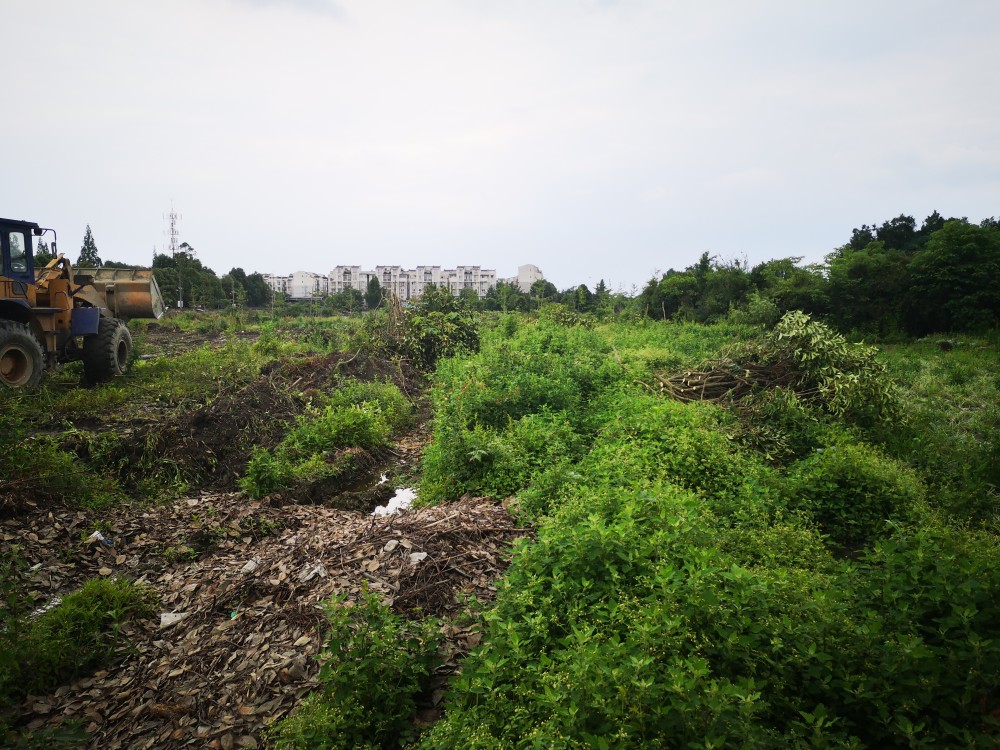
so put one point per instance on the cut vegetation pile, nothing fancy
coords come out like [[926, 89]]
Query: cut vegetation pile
[[242, 588], [211, 445]]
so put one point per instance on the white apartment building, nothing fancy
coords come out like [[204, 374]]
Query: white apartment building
[[348, 277], [278, 284], [404, 283], [527, 275]]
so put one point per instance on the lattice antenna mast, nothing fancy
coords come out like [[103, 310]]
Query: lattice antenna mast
[[172, 236], [173, 233]]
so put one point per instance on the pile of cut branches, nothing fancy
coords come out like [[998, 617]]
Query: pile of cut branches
[[818, 366], [727, 380]]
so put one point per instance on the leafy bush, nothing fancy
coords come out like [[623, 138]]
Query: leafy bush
[[497, 463], [515, 409], [622, 624], [758, 311], [931, 613], [952, 430], [434, 326], [73, 637], [852, 491], [781, 427], [374, 665], [847, 379], [357, 416]]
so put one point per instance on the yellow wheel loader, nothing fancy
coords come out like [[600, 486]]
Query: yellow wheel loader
[[51, 315]]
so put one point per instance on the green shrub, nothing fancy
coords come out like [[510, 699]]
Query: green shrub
[[336, 427], [852, 492], [848, 380], [621, 623], [931, 612], [374, 666], [267, 473], [357, 416], [497, 463], [952, 432], [73, 637], [647, 440], [758, 311]]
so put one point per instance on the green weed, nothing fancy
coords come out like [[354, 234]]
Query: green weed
[[374, 665], [69, 639]]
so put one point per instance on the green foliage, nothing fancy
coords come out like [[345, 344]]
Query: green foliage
[[438, 325], [88, 251], [622, 623], [681, 592], [954, 280], [374, 665], [758, 311], [63, 737], [39, 466], [868, 289], [373, 294], [853, 493], [503, 416], [847, 380], [952, 403], [781, 427], [317, 448], [931, 615], [69, 639]]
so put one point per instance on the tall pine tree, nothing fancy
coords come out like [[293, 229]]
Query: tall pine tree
[[88, 253]]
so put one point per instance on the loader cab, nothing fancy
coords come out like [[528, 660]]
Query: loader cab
[[15, 244]]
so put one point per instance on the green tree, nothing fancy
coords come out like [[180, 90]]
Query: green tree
[[955, 280], [88, 252], [792, 287], [258, 292], [543, 291], [373, 295], [725, 286], [42, 254], [470, 299], [347, 301], [505, 297], [867, 288]]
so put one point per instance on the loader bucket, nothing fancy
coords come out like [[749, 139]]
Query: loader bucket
[[129, 292]]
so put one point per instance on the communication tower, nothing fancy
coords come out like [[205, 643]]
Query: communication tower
[[173, 233]]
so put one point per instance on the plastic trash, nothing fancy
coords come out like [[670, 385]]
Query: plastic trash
[[171, 618], [97, 536]]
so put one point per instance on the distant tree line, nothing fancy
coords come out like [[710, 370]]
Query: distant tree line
[[183, 276], [892, 279], [889, 280]]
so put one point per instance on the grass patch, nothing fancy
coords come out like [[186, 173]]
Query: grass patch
[[77, 635]]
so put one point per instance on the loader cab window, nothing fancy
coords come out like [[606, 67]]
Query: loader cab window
[[18, 254]]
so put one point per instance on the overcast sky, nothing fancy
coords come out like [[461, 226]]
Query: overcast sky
[[593, 138]]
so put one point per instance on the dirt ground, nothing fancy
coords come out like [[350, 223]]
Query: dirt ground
[[162, 339], [242, 585]]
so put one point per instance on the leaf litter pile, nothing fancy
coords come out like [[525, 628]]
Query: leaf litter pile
[[242, 585]]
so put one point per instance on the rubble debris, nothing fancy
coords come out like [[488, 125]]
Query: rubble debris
[[235, 648]]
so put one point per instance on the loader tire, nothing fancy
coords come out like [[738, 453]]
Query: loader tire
[[21, 362], [106, 353]]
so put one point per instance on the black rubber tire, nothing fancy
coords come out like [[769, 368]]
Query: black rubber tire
[[106, 353], [21, 359]]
